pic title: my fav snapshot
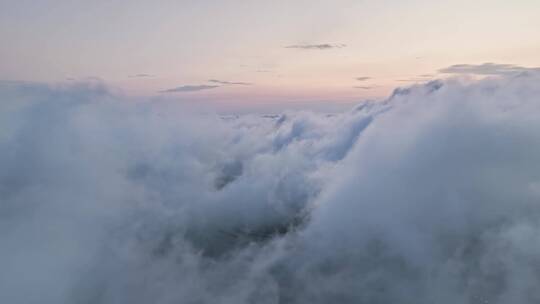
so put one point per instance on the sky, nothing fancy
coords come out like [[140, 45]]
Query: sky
[[278, 51]]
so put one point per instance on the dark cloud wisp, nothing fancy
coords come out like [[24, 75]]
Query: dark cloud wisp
[[224, 82], [141, 75], [190, 88], [322, 46]]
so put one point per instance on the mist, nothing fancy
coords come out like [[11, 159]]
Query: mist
[[431, 195]]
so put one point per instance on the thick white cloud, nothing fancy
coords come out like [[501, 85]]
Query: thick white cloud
[[430, 196]]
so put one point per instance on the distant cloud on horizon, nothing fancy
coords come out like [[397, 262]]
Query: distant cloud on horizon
[[142, 75], [419, 78], [363, 78], [190, 88], [363, 87], [224, 82], [85, 79], [93, 78], [323, 46], [488, 68]]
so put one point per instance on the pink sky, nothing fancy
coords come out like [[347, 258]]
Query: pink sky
[[287, 50]]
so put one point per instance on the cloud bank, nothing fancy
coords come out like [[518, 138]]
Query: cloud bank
[[430, 196], [487, 69]]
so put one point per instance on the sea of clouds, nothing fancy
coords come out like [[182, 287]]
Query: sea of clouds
[[430, 196]]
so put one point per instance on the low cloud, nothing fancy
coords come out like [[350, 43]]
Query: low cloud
[[488, 68], [190, 88], [363, 87], [223, 82], [324, 46]]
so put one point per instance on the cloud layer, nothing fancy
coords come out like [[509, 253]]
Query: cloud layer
[[430, 196], [487, 69]]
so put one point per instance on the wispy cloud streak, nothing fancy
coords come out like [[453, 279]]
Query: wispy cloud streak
[[190, 88], [365, 78], [224, 82], [142, 75], [323, 46]]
